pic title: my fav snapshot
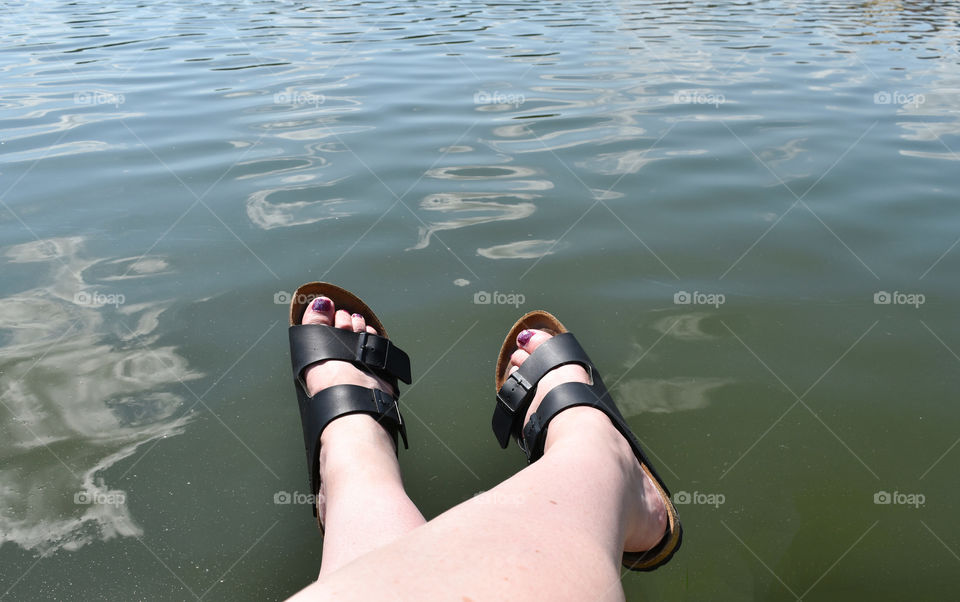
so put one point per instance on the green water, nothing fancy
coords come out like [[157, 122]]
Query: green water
[[168, 170]]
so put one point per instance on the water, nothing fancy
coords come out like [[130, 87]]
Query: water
[[168, 170]]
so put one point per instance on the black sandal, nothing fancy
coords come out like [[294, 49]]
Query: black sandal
[[372, 353], [515, 393]]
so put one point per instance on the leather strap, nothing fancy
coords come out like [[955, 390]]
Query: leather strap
[[515, 395], [571, 395], [318, 411], [560, 398], [311, 343]]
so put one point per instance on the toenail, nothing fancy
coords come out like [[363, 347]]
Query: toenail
[[321, 304], [357, 316], [524, 337]]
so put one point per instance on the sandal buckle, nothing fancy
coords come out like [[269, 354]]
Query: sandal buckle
[[383, 405], [390, 409], [372, 350], [513, 392]]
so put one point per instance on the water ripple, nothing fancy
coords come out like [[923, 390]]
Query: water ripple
[[83, 387]]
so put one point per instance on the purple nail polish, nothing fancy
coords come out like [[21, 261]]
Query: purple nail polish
[[357, 316], [524, 337], [322, 304]]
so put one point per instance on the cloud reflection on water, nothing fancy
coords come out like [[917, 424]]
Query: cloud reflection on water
[[82, 388]]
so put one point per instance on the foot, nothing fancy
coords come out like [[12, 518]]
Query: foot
[[647, 511], [355, 442], [325, 374]]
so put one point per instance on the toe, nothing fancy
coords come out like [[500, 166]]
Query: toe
[[371, 330], [343, 320], [319, 311], [518, 357], [358, 323], [529, 340]]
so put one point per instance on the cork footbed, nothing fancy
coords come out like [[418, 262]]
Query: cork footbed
[[342, 299], [547, 322]]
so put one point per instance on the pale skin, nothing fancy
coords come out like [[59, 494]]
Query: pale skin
[[556, 530]]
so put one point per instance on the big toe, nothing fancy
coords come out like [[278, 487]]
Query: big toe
[[319, 311], [528, 340]]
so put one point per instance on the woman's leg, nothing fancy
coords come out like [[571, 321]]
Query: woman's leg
[[362, 501], [555, 531]]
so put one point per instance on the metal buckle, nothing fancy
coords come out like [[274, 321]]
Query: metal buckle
[[518, 381], [363, 348], [383, 406], [532, 427]]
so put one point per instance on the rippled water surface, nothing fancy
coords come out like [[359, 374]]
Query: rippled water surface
[[747, 211]]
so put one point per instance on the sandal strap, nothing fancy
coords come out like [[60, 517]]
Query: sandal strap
[[339, 400], [310, 343], [576, 394], [560, 398], [515, 395]]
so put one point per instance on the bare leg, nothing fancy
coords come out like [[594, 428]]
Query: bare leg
[[556, 530], [362, 501]]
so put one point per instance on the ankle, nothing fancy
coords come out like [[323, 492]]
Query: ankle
[[587, 435], [355, 447], [585, 425]]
